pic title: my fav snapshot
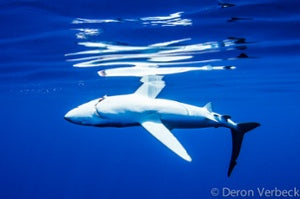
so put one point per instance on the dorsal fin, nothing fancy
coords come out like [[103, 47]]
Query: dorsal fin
[[208, 106]]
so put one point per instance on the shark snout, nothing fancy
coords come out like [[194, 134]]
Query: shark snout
[[68, 116], [71, 115], [84, 115]]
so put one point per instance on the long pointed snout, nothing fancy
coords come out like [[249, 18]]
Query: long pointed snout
[[69, 116], [84, 114], [66, 117]]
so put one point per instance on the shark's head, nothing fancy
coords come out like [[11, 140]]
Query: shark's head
[[86, 114]]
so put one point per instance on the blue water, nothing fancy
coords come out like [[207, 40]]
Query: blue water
[[43, 156]]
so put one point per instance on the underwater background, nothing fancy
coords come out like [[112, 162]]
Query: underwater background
[[44, 156]]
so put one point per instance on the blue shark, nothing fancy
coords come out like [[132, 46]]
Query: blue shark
[[158, 117]]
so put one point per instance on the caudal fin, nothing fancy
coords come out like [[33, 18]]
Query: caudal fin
[[237, 139]]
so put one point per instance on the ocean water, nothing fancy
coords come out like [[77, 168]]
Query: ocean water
[[51, 52]]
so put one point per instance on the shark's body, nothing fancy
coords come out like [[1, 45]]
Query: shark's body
[[157, 116]]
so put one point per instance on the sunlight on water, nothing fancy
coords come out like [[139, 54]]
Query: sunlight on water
[[146, 59], [83, 33], [174, 19]]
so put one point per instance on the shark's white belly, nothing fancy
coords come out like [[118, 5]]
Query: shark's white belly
[[130, 109]]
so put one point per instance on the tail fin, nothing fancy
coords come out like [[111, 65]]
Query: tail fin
[[237, 139]]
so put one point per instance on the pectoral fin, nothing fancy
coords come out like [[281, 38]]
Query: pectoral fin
[[160, 132], [151, 87]]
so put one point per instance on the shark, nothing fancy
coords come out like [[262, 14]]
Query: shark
[[158, 117]]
